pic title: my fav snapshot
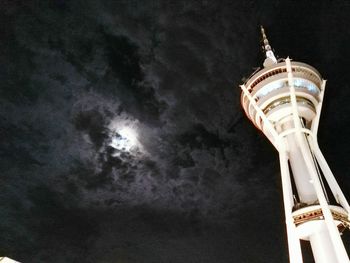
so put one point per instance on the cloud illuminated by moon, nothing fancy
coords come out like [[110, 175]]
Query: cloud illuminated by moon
[[124, 136], [124, 139]]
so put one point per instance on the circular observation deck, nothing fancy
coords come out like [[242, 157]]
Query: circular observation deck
[[269, 87]]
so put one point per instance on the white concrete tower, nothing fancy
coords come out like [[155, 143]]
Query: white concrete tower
[[284, 101]]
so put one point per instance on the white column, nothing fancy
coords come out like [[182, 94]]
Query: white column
[[295, 254], [322, 247], [334, 186], [305, 189]]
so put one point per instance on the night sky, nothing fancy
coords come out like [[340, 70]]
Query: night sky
[[201, 184]]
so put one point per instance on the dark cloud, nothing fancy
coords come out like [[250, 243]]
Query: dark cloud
[[202, 185]]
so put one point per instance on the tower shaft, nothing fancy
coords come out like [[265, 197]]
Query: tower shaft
[[323, 234]]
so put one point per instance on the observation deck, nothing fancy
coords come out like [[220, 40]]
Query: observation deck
[[270, 89]]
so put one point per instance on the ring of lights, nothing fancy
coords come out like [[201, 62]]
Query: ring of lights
[[269, 87], [308, 219]]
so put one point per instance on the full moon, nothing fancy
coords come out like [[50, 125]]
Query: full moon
[[125, 139]]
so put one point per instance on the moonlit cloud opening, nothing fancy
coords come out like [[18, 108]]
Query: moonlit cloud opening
[[124, 136], [125, 139]]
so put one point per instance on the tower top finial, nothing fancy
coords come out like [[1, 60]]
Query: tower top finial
[[270, 56], [265, 40]]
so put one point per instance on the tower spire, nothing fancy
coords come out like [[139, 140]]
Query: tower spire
[[270, 56]]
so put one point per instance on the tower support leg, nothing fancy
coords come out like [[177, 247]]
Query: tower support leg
[[294, 248], [322, 246]]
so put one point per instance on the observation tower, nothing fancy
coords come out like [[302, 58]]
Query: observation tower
[[284, 100]]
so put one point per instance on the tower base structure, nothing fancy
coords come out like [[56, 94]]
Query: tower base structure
[[284, 101]]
